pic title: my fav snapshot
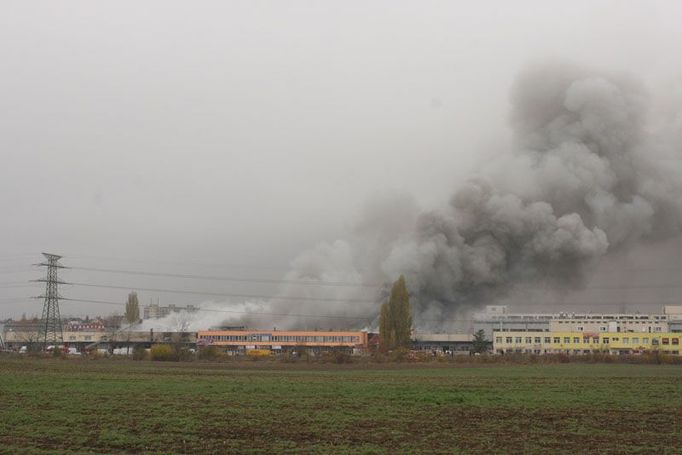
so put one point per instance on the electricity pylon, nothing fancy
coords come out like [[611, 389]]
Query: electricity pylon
[[51, 331]]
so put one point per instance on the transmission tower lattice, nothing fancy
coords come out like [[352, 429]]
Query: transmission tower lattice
[[51, 323]]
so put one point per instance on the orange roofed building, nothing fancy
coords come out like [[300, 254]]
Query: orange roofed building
[[276, 340]]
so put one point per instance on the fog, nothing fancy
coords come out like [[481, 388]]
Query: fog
[[261, 139]]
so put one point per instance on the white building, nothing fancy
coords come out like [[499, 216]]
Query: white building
[[498, 318]]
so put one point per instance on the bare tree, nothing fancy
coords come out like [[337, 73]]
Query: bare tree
[[179, 323]]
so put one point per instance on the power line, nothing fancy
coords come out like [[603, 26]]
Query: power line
[[199, 263], [224, 278], [185, 263], [222, 294]]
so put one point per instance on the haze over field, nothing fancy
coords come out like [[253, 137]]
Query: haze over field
[[483, 151]]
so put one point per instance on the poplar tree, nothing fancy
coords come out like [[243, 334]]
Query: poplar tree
[[132, 308], [395, 319]]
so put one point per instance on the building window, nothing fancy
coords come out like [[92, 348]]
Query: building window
[[657, 329], [518, 340], [509, 340], [602, 328], [548, 339], [498, 339], [645, 340], [576, 340], [676, 341], [567, 340], [557, 340], [626, 340], [605, 340], [529, 340], [635, 340], [666, 340], [539, 340]]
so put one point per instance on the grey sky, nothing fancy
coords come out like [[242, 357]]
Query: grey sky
[[245, 132]]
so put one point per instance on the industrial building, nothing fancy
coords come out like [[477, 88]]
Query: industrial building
[[496, 318], [583, 333], [535, 333], [557, 342], [101, 339], [443, 343], [241, 341]]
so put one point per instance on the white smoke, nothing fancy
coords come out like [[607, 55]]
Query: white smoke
[[209, 314]]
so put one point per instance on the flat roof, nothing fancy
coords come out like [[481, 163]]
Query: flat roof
[[443, 337]]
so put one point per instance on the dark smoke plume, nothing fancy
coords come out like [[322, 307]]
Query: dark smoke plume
[[581, 179]]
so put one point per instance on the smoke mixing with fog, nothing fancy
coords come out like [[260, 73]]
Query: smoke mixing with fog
[[581, 179]]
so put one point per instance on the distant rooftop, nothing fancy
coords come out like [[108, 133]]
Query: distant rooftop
[[501, 313]]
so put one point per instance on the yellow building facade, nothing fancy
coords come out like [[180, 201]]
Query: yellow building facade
[[541, 342]]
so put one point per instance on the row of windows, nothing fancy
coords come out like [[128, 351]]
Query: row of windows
[[570, 320], [624, 320], [585, 340], [519, 340], [284, 338], [86, 337], [579, 328], [557, 351], [604, 328]]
